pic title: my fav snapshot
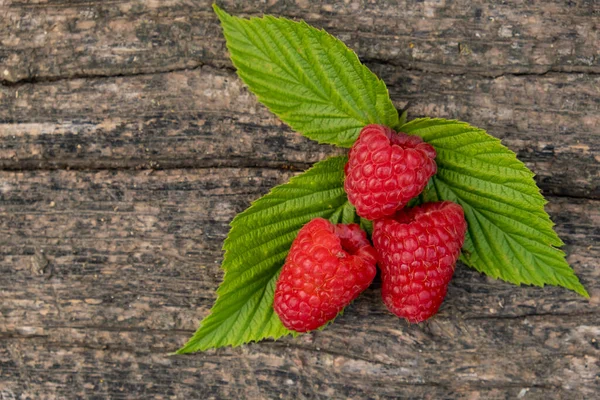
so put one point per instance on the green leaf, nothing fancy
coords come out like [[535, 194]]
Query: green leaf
[[307, 77], [510, 236], [255, 251]]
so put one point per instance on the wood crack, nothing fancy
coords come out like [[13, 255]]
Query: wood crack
[[532, 316], [31, 80], [224, 66], [111, 164], [491, 73]]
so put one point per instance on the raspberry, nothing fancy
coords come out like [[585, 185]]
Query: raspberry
[[385, 170], [417, 250], [327, 267]]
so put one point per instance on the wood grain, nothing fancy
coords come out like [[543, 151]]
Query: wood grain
[[206, 117], [127, 145], [46, 39], [105, 272]]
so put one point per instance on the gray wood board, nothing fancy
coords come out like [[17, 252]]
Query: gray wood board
[[207, 117]]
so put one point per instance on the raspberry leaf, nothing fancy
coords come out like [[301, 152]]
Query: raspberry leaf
[[307, 77], [255, 251], [509, 236]]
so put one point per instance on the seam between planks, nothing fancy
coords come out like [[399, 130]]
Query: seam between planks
[[489, 73]]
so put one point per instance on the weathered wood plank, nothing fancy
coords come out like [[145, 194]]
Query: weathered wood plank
[[47, 367], [102, 273], [50, 40], [109, 224], [207, 117]]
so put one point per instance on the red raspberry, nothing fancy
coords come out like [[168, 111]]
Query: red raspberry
[[417, 250], [328, 266], [386, 170]]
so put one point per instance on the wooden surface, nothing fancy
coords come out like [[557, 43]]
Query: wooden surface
[[127, 144]]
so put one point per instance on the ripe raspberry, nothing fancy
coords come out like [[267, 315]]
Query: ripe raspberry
[[327, 267], [385, 170], [417, 250]]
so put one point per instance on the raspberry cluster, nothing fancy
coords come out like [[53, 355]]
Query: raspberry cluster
[[416, 249]]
